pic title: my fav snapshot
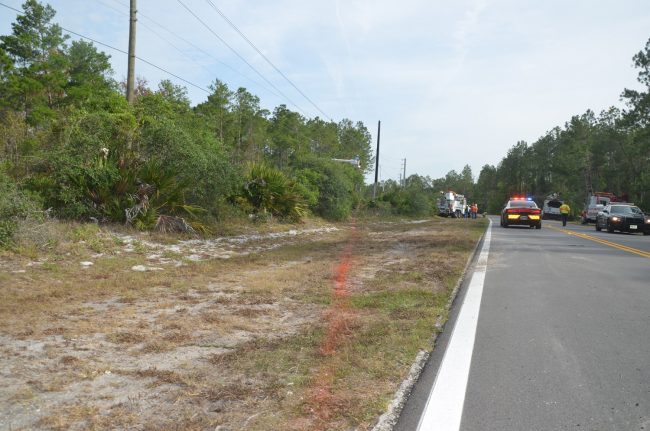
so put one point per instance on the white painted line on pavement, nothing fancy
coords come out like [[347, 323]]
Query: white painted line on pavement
[[444, 408]]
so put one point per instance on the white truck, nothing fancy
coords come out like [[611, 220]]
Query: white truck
[[551, 207], [451, 204]]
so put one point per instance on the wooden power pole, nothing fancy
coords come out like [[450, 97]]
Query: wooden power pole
[[130, 76]]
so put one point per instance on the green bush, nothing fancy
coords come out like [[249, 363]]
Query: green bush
[[307, 181], [196, 157], [117, 189], [410, 201], [15, 205], [79, 189], [336, 183], [268, 190]]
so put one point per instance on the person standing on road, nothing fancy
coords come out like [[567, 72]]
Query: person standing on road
[[474, 210], [565, 209]]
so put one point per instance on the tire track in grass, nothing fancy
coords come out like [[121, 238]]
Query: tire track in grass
[[323, 403]]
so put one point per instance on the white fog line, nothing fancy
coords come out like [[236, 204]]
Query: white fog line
[[444, 408]]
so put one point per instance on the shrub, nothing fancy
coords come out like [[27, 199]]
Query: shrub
[[196, 157], [307, 181], [410, 201], [336, 184], [116, 188], [15, 205], [268, 190]]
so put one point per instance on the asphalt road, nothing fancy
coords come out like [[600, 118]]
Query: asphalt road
[[563, 334]]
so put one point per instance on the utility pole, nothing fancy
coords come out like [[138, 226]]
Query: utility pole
[[374, 188], [404, 175], [130, 75]]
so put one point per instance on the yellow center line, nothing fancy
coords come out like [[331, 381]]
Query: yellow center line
[[603, 241]]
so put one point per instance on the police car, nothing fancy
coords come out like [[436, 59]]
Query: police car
[[521, 211]]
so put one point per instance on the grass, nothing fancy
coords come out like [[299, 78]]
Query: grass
[[210, 342]]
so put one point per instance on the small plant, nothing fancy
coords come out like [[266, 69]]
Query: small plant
[[139, 247], [84, 232]]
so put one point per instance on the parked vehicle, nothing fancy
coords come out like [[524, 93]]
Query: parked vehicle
[[624, 218], [451, 204], [596, 202], [551, 207], [521, 211]]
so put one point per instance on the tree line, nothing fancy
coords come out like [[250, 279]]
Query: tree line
[[605, 152], [73, 146]]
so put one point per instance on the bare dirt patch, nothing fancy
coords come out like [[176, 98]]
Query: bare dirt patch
[[246, 332]]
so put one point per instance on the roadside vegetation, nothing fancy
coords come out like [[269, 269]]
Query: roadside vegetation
[[73, 146], [73, 149], [297, 329]]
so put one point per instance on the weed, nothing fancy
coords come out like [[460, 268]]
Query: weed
[[84, 232], [162, 376], [139, 247], [177, 337], [157, 347], [212, 318], [29, 251], [97, 245], [68, 360], [50, 266], [24, 393], [69, 415], [125, 337]]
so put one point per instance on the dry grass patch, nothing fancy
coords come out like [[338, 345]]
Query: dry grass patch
[[157, 347], [125, 337], [68, 416], [234, 342]]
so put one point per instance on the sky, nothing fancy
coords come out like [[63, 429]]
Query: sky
[[453, 83]]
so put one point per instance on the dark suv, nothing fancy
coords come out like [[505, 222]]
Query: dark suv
[[624, 218]]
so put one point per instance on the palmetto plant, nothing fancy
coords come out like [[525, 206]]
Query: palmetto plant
[[165, 193], [127, 189], [268, 190]]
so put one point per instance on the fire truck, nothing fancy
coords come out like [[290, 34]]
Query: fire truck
[[596, 201]]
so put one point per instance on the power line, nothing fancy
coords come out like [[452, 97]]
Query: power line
[[159, 36], [198, 48], [240, 57], [121, 51], [265, 58]]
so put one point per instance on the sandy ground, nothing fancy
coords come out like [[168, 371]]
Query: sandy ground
[[77, 355]]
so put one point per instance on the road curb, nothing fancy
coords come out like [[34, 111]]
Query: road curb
[[388, 419]]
